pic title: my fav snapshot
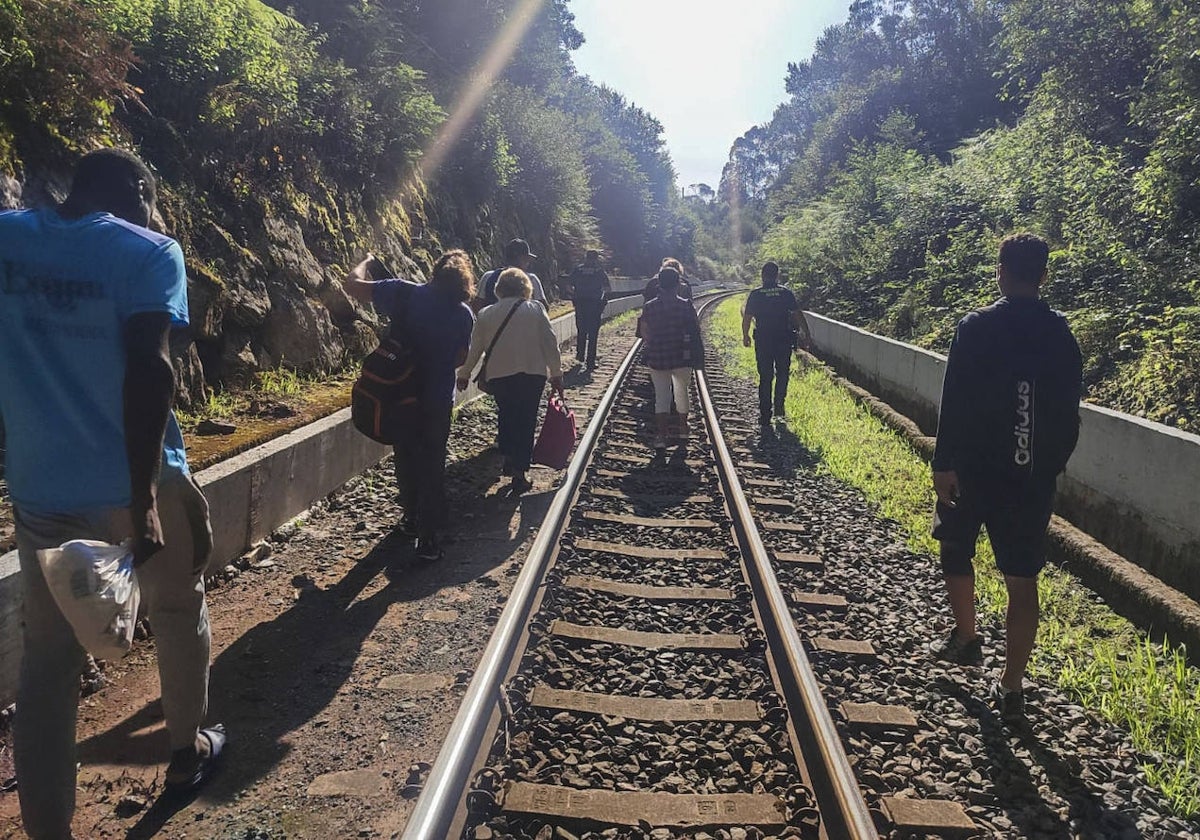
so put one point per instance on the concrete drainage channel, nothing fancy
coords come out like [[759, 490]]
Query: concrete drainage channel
[[256, 492]]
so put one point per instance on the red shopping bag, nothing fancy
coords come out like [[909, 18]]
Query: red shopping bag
[[557, 438]]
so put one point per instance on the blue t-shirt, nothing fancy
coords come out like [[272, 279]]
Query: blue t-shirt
[[438, 326], [66, 290]]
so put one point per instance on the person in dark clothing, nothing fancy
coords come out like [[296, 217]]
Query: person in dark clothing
[[671, 331], [436, 320], [683, 290], [589, 290], [1009, 422], [516, 255], [779, 327]]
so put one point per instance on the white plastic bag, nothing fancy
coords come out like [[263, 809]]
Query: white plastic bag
[[94, 585]]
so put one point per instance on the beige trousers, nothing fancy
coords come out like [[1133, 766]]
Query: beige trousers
[[52, 660]]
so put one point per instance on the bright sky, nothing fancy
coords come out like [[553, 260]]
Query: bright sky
[[708, 69]]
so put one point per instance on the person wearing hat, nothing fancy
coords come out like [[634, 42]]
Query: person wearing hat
[[589, 289], [516, 255]]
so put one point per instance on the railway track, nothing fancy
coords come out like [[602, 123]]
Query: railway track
[[645, 676]]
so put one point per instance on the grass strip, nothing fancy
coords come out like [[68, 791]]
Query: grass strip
[[1094, 655]]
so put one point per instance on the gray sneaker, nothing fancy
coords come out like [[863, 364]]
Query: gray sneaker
[[960, 652]]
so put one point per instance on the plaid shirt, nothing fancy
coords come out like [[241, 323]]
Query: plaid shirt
[[669, 325]]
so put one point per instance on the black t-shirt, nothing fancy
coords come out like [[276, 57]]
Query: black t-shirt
[[772, 308], [589, 282], [1010, 399]]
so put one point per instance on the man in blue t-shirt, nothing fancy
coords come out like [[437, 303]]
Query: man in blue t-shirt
[[88, 297]]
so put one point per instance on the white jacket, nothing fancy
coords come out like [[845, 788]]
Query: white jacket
[[527, 344]]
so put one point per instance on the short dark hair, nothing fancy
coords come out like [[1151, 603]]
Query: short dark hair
[[668, 278], [454, 276], [107, 179], [770, 272], [1025, 257]]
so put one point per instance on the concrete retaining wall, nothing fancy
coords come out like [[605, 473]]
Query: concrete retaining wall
[[254, 493], [1131, 484]]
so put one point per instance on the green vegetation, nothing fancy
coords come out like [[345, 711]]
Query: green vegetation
[[279, 382], [1083, 647], [292, 136], [919, 133]]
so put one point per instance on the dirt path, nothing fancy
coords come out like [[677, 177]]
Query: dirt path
[[336, 665]]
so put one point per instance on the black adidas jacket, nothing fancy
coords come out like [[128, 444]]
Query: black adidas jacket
[[1010, 399]]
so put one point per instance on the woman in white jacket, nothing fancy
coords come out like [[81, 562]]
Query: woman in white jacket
[[519, 349]]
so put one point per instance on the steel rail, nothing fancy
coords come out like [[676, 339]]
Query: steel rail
[[444, 791], [855, 817]]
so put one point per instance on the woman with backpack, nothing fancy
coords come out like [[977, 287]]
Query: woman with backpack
[[516, 342], [435, 321]]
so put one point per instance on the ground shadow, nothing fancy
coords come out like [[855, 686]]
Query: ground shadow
[[283, 673], [1016, 787]]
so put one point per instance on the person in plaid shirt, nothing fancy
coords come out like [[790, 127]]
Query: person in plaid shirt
[[671, 333]]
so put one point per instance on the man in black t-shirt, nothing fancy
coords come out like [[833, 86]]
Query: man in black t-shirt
[[589, 290], [777, 322], [1009, 421]]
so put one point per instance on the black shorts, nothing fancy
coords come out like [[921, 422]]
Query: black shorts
[[1016, 517]]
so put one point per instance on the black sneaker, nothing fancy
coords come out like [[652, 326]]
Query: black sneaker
[[428, 550], [1010, 705], [955, 650]]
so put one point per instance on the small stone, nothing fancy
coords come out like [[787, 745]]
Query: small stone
[[359, 783], [130, 804]]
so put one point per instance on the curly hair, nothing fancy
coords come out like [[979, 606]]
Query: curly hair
[[454, 276], [514, 283]]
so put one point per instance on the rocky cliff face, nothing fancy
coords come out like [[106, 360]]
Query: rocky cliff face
[[264, 280], [265, 273]]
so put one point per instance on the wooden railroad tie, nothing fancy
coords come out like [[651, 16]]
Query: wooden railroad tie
[[649, 553], [646, 708], [666, 810], [879, 716], [652, 498], [815, 601], [647, 521], [799, 559], [647, 641], [928, 816], [649, 593]]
